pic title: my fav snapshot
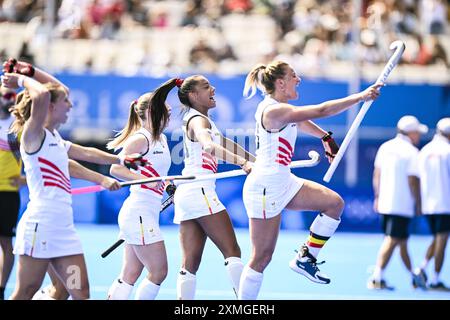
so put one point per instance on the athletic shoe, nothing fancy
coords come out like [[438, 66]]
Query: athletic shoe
[[419, 279], [439, 287], [307, 266], [378, 285]]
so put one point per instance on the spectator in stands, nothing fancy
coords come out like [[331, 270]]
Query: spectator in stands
[[434, 170], [203, 57], [397, 197]]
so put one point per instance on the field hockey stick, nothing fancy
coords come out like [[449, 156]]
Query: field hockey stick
[[399, 47], [98, 188], [313, 160], [170, 189]]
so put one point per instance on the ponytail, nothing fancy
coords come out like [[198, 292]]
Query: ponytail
[[253, 81], [131, 126], [158, 111], [159, 115], [264, 77]]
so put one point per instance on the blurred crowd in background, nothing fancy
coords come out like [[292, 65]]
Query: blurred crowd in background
[[157, 38]]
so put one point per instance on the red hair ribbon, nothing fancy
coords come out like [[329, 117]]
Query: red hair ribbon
[[179, 82]]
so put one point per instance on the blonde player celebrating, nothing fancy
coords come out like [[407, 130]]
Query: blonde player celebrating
[[198, 210], [46, 232], [271, 187], [139, 216]]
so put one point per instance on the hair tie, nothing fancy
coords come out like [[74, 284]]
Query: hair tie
[[179, 82], [134, 102]]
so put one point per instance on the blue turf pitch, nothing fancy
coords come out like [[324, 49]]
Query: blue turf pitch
[[349, 259]]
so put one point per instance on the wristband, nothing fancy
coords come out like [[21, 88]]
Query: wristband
[[20, 80], [327, 137]]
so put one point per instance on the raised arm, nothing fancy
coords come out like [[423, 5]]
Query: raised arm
[[279, 115], [200, 129], [33, 130], [76, 170], [27, 69]]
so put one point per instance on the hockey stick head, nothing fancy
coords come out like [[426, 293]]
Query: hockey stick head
[[314, 156]]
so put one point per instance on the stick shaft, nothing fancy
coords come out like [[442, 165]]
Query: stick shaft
[[98, 188], [89, 189], [390, 65], [112, 248], [239, 172]]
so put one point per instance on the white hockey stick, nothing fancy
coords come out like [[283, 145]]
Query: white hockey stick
[[314, 160], [313, 155], [399, 47]]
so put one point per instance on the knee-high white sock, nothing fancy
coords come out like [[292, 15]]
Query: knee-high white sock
[[147, 290], [43, 294], [120, 290], [250, 284], [186, 283], [322, 228], [234, 267]]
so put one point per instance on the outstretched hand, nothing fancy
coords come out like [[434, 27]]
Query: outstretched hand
[[372, 92]]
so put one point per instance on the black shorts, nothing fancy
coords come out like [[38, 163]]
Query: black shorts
[[439, 222], [396, 226], [9, 212]]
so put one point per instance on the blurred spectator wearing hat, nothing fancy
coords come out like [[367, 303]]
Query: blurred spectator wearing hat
[[397, 197], [434, 170]]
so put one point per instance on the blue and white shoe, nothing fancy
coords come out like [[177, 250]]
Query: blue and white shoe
[[307, 265], [419, 279]]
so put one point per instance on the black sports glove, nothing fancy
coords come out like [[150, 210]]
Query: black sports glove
[[331, 147], [132, 161], [14, 66]]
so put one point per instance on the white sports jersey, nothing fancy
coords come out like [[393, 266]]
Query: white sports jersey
[[47, 172], [196, 161], [158, 164], [396, 159], [274, 149], [434, 170]]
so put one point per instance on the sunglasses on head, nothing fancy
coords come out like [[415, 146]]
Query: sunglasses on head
[[8, 95]]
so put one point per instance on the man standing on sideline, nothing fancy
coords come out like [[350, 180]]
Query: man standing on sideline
[[10, 181], [396, 189], [434, 170]]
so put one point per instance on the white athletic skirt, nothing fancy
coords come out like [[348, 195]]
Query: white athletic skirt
[[39, 239], [266, 196], [139, 221], [193, 201]]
